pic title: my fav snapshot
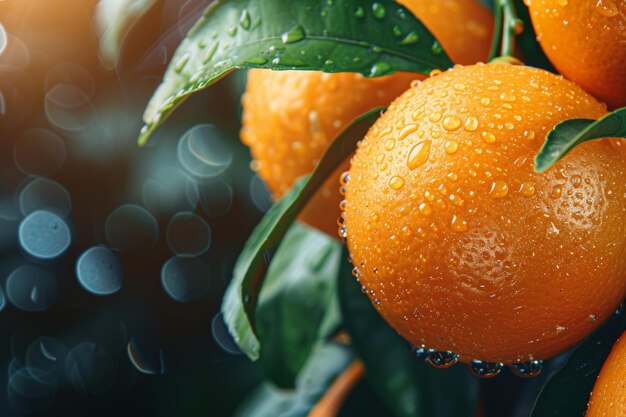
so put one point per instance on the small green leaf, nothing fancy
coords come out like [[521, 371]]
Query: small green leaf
[[566, 393], [568, 134], [326, 363], [298, 306], [332, 36], [410, 387], [241, 296], [114, 20]]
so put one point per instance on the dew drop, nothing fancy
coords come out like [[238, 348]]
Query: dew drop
[[396, 182], [485, 369], [508, 97], [499, 189], [434, 117], [359, 12], [607, 8], [379, 11], [458, 223], [527, 189], [419, 154], [425, 209], [556, 192], [410, 39], [485, 101], [527, 369], [441, 359], [296, 34], [407, 130], [451, 146], [244, 19], [210, 52], [182, 61], [380, 68], [471, 123], [232, 31], [390, 144], [451, 123], [488, 137], [529, 135], [436, 48]]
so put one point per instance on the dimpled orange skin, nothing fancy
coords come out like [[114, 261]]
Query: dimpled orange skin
[[461, 246], [608, 398], [586, 42], [290, 117]]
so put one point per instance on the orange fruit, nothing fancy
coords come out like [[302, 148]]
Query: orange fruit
[[608, 398], [290, 117], [460, 245], [585, 40]]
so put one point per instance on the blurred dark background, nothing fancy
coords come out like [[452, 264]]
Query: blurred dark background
[[167, 221]]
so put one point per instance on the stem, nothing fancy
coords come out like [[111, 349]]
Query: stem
[[511, 23], [506, 28], [497, 31], [330, 404]]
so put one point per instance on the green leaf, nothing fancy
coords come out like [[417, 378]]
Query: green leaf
[[241, 296], [410, 387], [527, 40], [371, 37], [566, 393], [298, 306], [114, 20], [326, 363], [568, 134]]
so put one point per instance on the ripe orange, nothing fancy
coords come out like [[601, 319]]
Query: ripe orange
[[586, 42], [290, 117], [461, 246], [608, 398]]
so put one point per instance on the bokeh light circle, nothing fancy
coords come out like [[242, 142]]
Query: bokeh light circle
[[188, 234], [39, 152], [44, 235], [47, 195], [31, 289], [130, 226], [99, 271], [185, 279], [203, 151]]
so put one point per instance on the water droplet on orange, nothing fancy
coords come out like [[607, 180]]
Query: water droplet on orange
[[488, 137], [390, 144], [434, 117], [499, 189], [508, 97], [607, 8], [556, 192], [396, 182], [485, 101], [529, 134], [418, 154], [527, 189], [451, 146], [451, 123], [425, 209], [458, 223], [471, 123], [407, 130]]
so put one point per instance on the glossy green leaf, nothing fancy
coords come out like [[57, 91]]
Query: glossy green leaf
[[114, 20], [325, 364], [298, 306], [241, 296], [566, 393], [568, 134], [410, 387], [371, 37]]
